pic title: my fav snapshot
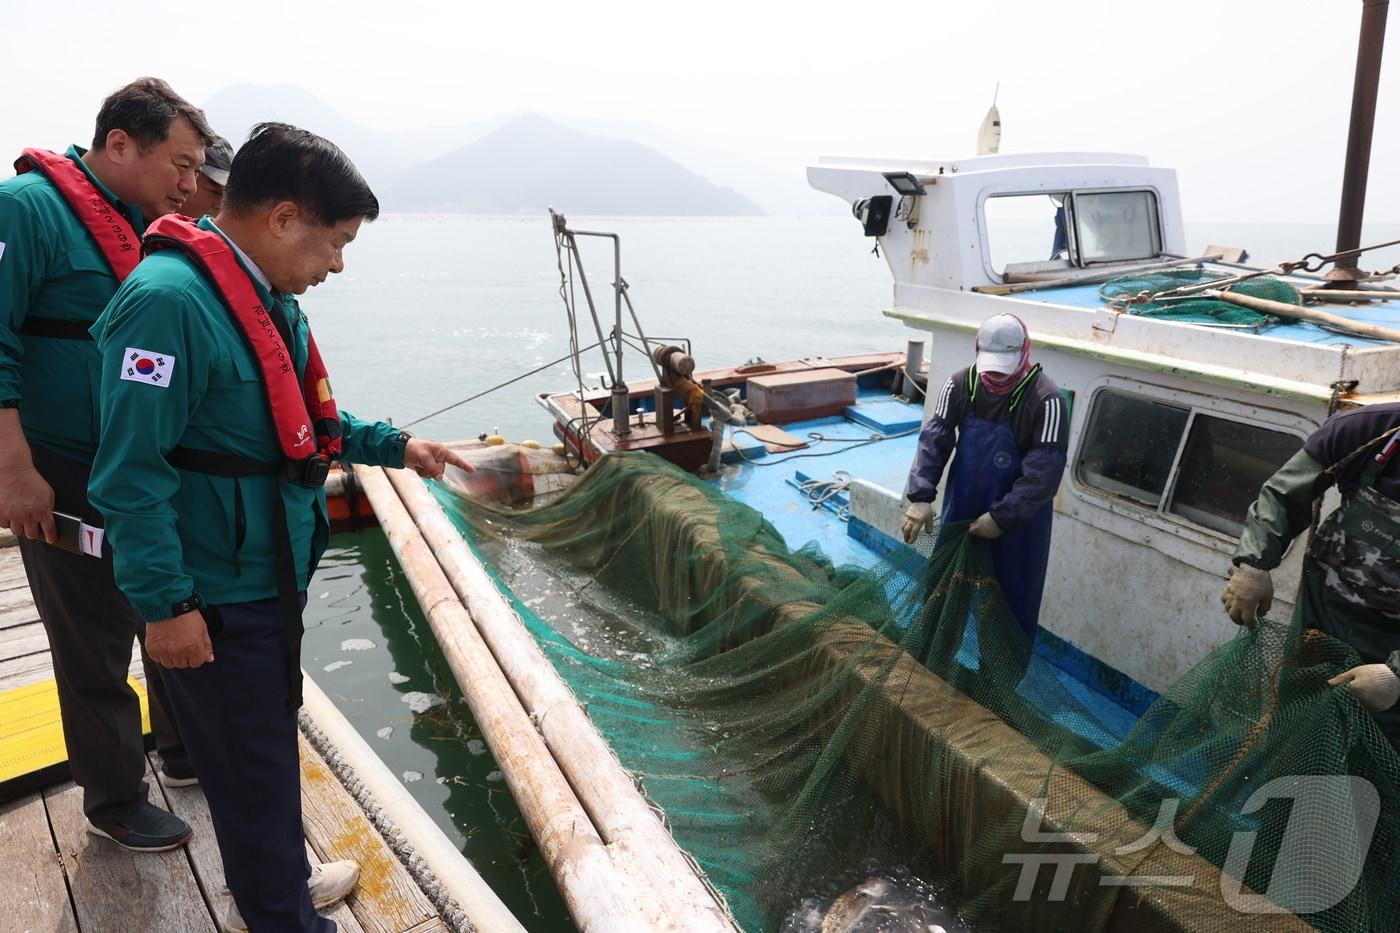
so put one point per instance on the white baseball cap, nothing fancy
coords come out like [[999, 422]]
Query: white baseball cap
[[1000, 342]]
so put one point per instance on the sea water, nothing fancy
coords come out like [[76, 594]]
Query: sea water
[[432, 309]]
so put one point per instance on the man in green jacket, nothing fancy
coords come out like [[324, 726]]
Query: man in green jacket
[[70, 230], [1350, 587], [217, 427]]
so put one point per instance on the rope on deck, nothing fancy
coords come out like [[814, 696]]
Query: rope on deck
[[452, 914]]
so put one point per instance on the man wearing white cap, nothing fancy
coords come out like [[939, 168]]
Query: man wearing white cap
[[210, 182], [1009, 425]]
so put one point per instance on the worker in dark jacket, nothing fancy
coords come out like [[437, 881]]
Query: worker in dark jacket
[[1350, 588], [218, 427], [1005, 426]]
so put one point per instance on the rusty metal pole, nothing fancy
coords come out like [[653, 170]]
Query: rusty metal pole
[[1363, 119]]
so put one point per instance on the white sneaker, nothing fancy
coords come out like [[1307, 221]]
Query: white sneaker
[[329, 882]]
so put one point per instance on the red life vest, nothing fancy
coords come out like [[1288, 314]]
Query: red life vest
[[119, 243], [303, 411]]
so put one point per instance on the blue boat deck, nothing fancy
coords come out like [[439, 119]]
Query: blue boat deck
[[770, 482], [874, 440]]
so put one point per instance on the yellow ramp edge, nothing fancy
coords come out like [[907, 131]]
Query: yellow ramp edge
[[31, 731]]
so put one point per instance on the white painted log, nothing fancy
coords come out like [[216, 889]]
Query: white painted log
[[335, 483], [618, 809], [457, 875], [1302, 313], [599, 897]]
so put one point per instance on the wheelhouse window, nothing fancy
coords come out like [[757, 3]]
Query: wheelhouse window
[[1177, 459], [1043, 234], [1222, 467], [1129, 445], [1026, 232], [1116, 226]]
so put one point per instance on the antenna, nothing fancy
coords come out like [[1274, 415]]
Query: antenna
[[989, 136]]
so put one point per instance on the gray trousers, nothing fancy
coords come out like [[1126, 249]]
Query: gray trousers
[[90, 626]]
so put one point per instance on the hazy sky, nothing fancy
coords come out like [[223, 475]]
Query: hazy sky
[[1248, 99]]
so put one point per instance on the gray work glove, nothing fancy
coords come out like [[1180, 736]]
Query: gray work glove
[[1250, 593], [985, 527], [917, 518], [1375, 686]]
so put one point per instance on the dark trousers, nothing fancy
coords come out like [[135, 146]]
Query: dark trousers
[[90, 627], [1364, 629], [242, 738]]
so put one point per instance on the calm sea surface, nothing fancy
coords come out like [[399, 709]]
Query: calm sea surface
[[433, 309]]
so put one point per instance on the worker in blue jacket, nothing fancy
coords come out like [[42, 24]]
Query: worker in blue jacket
[[1005, 425]]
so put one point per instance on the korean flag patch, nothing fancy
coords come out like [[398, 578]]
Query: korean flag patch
[[151, 368]]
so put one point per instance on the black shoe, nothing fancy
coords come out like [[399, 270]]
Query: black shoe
[[176, 775], [145, 828]]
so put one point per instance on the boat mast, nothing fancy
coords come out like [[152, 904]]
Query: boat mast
[[1363, 119]]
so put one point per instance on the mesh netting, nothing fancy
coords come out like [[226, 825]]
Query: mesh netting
[[804, 726], [1199, 310]]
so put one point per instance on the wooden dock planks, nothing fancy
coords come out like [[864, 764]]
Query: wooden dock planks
[[114, 889], [36, 890], [61, 879], [386, 900]]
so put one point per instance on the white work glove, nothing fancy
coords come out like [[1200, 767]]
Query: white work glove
[[917, 518], [1375, 686], [985, 527], [1249, 593]]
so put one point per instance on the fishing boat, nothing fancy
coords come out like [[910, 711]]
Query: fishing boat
[[694, 636], [1187, 390]]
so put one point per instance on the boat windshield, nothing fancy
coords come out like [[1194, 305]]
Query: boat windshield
[[1115, 226], [1047, 232]]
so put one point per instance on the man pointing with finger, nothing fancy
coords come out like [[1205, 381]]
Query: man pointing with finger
[[218, 428]]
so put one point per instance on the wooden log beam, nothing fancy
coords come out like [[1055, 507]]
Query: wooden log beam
[[599, 897], [622, 815], [1312, 315], [1342, 294]]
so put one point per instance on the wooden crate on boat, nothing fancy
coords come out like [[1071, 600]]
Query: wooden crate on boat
[[784, 397]]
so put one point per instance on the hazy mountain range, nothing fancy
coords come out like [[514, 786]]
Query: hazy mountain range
[[525, 162]]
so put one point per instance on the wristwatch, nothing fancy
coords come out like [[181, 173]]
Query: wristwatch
[[9, 403], [186, 605]]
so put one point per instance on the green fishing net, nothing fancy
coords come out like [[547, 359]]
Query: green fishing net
[[1199, 310], [803, 726]]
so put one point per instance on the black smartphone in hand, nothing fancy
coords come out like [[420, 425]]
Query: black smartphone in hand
[[78, 536]]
